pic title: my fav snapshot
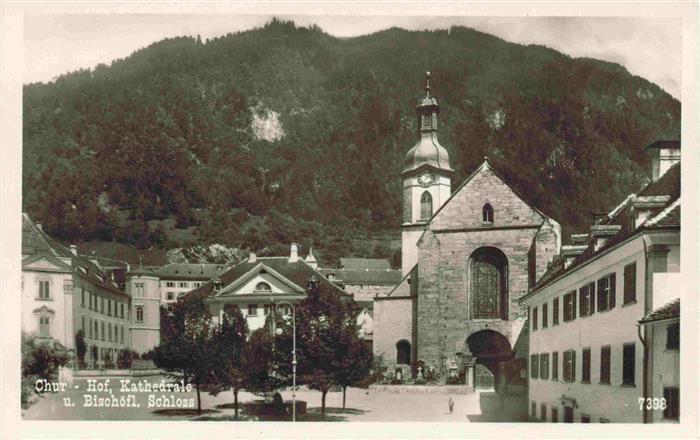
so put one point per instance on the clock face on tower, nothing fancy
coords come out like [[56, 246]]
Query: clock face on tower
[[426, 178]]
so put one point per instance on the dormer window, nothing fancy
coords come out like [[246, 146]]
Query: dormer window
[[487, 213], [217, 284], [426, 206], [263, 288]]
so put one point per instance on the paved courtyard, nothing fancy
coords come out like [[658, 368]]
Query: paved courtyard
[[361, 405]]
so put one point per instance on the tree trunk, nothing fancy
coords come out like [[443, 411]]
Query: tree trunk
[[344, 388], [235, 402], [199, 399], [323, 404]]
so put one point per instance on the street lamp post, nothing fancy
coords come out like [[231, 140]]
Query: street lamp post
[[294, 357]]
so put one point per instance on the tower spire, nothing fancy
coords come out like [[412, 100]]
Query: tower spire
[[427, 84]]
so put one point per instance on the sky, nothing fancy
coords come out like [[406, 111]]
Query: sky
[[647, 47]]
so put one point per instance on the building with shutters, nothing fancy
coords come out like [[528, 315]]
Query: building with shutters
[[589, 360], [64, 292], [468, 256]]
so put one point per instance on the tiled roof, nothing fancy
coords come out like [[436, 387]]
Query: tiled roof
[[298, 273], [665, 144], [35, 240], [364, 263], [190, 271], [668, 184], [365, 277], [670, 310]]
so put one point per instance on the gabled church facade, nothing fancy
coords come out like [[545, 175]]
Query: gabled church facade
[[467, 258]]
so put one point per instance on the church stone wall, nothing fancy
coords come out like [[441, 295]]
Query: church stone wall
[[464, 209], [443, 306], [392, 323]]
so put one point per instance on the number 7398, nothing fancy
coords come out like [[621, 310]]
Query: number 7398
[[655, 403]]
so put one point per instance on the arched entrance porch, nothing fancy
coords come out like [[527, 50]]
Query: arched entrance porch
[[487, 366]]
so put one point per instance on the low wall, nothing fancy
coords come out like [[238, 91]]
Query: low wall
[[422, 389]]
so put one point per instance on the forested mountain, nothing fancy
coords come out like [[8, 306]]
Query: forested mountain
[[264, 137]]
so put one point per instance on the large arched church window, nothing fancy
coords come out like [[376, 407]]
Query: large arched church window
[[403, 352], [489, 290], [487, 213], [426, 206]]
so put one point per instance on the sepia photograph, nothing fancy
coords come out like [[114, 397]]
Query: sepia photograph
[[280, 216]]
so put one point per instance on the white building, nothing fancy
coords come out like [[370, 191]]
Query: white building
[[587, 359]]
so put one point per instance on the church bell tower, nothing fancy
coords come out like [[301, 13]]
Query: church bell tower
[[426, 179]]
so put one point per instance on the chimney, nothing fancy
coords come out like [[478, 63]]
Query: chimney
[[74, 249], [294, 253], [601, 233], [570, 252], [664, 154], [252, 258], [579, 239], [39, 227]]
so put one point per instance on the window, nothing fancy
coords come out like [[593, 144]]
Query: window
[[121, 334], [102, 305], [426, 206], [673, 336], [90, 327], [44, 326], [488, 284], [109, 332], [605, 364], [266, 309], [585, 418], [170, 296], [586, 365], [263, 287], [628, 364], [534, 366], [183, 284], [170, 284], [555, 365], [630, 293], [89, 300], [403, 352], [138, 290], [555, 415], [97, 330], [487, 214], [102, 331], [44, 292], [252, 309], [139, 313], [196, 284], [82, 323], [673, 403], [121, 307], [534, 319], [570, 306], [544, 315], [555, 311], [606, 292], [109, 307], [533, 409], [569, 366], [82, 298], [543, 412], [544, 366], [586, 296]]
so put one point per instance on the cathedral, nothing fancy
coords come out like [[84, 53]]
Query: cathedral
[[468, 255]]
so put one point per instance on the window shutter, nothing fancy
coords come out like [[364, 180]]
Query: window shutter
[[612, 290], [601, 299], [573, 308], [573, 366], [582, 301]]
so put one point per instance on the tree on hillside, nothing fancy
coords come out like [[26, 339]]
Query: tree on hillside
[[185, 351], [229, 342]]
